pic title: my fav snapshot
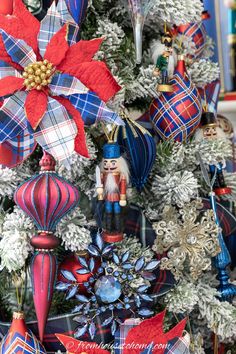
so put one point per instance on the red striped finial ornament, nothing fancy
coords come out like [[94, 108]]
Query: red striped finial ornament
[[46, 198]]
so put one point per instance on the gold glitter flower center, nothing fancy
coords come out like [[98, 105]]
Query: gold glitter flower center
[[38, 75]]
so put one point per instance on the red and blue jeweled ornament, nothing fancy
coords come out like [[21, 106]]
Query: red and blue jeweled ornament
[[19, 339], [176, 115], [45, 198]]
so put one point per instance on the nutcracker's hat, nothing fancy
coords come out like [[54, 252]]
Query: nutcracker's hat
[[111, 151], [167, 39], [208, 119]]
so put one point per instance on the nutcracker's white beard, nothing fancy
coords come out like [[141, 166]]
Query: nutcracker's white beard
[[111, 186]]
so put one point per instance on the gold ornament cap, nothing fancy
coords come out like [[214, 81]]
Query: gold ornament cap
[[82, 253], [18, 315], [181, 57]]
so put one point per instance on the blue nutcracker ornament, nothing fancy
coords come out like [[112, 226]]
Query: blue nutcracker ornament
[[112, 180]]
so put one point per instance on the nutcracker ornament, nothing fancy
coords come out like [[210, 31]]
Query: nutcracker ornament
[[112, 180], [164, 60], [209, 130]]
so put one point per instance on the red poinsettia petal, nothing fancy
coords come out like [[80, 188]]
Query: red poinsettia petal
[[83, 51], [57, 48], [35, 107], [96, 76], [23, 25], [151, 331], [80, 140], [10, 84], [177, 331]]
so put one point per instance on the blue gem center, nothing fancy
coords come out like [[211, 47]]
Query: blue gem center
[[107, 289]]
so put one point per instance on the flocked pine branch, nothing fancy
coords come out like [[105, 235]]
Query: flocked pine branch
[[177, 12], [203, 72]]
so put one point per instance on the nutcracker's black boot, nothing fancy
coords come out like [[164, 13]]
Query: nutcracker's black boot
[[117, 223], [108, 222], [220, 179]]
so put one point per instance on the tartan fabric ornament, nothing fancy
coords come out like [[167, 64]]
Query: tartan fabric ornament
[[19, 339], [14, 152], [176, 115], [210, 95], [44, 73], [197, 32]]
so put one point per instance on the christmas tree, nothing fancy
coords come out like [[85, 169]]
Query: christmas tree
[[142, 149]]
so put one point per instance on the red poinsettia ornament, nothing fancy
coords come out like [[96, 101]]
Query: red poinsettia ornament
[[50, 81]]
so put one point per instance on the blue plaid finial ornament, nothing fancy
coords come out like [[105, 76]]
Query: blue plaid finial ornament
[[111, 151]]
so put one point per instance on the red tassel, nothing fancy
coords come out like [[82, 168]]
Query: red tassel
[[43, 271]]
